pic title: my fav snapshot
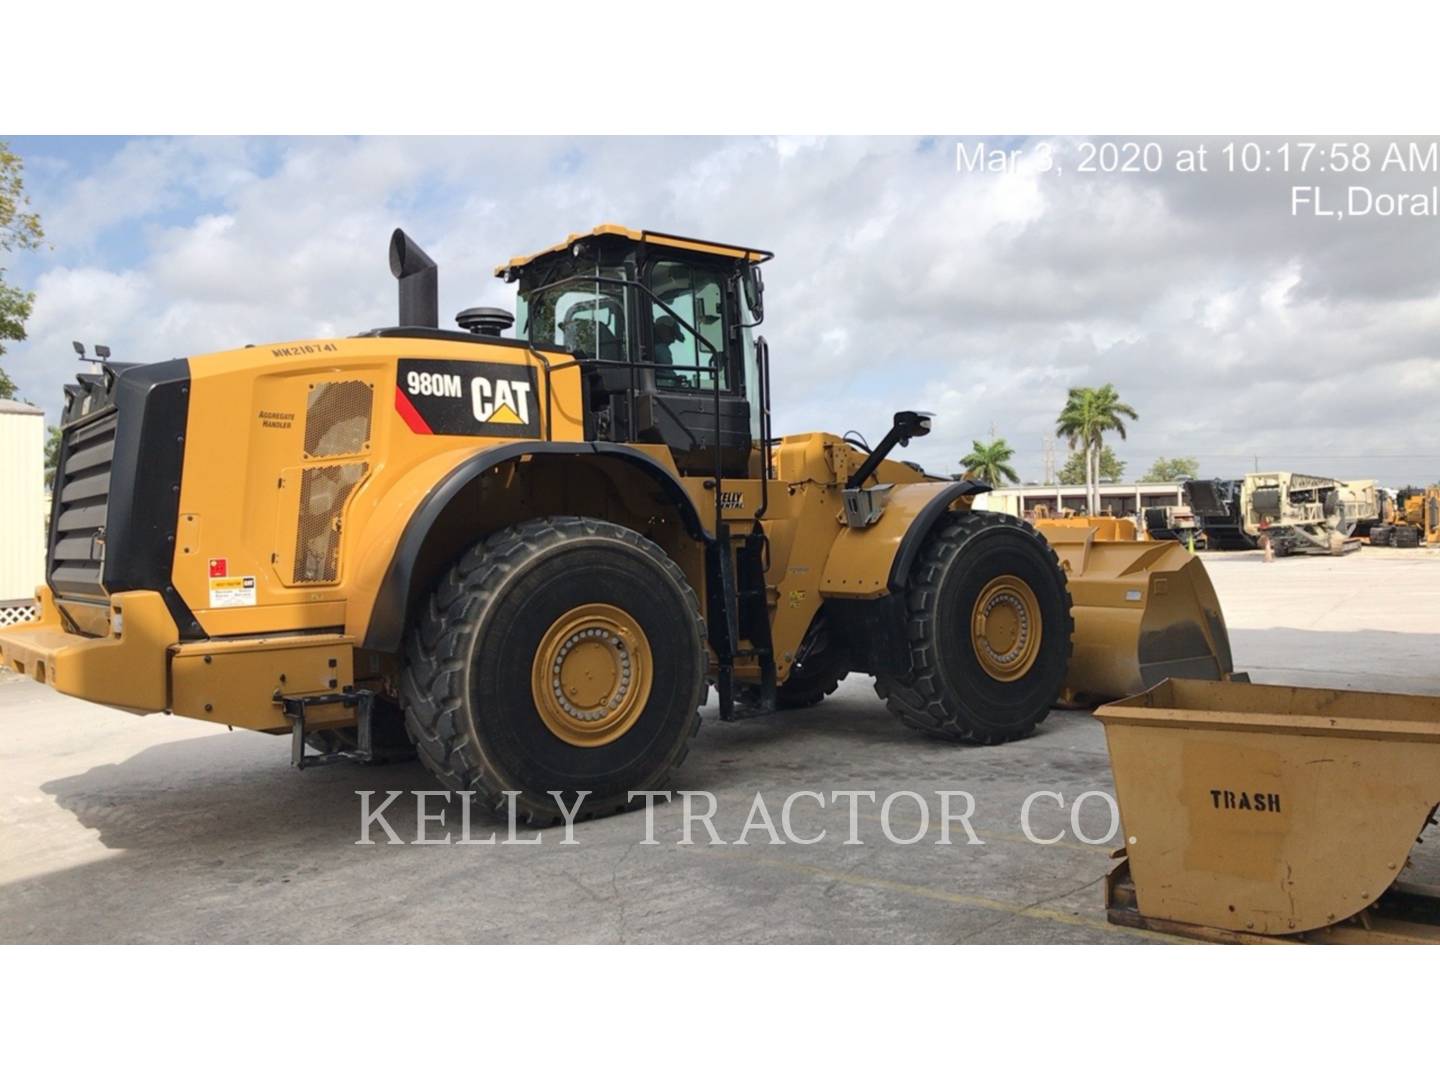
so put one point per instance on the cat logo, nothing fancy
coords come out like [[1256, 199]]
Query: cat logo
[[503, 401], [467, 397]]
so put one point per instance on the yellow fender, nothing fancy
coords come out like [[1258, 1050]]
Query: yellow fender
[[868, 562]]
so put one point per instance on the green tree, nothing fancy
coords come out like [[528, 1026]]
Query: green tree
[[990, 463], [1167, 469], [1112, 469], [1088, 414], [52, 452], [19, 228]]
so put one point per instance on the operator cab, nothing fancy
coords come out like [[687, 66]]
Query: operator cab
[[661, 325]]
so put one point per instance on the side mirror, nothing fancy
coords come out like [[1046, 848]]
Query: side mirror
[[754, 285], [909, 425]]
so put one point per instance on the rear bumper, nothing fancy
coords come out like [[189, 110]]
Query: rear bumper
[[126, 670], [145, 668]]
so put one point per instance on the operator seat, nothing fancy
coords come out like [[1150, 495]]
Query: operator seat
[[666, 333], [580, 333]]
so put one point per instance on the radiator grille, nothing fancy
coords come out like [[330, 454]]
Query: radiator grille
[[324, 490], [337, 419], [82, 493]]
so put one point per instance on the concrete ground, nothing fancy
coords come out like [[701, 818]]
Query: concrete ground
[[115, 828]]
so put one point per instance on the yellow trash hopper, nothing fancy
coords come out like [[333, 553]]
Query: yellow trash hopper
[[1144, 610], [1258, 813]]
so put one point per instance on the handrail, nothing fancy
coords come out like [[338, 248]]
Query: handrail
[[549, 397], [762, 356]]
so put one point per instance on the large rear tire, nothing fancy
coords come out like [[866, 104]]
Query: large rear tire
[[989, 625], [564, 654]]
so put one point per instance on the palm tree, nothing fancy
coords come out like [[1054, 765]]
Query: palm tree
[[990, 463], [1090, 412]]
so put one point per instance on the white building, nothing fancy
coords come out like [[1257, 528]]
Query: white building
[[23, 502], [1117, 500]]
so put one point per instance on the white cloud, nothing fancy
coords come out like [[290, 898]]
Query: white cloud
[[1234, 328], [81, 304]]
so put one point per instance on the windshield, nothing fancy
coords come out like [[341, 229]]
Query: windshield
[[583, 317]]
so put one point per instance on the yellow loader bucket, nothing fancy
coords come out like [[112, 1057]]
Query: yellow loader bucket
[[1145, 611], [1258, 811]]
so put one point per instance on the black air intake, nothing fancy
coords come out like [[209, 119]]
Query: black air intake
[[419, 282], [487, 321]]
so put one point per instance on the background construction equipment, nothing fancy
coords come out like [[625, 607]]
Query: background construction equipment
[[1298, 514], [1216, 505], [1412, 518]]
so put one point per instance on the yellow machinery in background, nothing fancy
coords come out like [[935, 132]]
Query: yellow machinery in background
[[1273, 813], [1413, 520]]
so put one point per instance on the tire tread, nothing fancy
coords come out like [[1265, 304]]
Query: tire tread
[[918, 699], [434, 682]]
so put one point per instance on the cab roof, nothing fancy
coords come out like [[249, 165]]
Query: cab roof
[[658, 239]]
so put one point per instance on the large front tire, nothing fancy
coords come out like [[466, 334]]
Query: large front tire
[[988, 626], [564, 654]]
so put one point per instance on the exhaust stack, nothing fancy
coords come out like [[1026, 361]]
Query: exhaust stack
[[419, 282]]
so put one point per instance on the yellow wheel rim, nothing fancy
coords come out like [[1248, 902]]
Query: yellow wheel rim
[[1005, 628], [591, 675]]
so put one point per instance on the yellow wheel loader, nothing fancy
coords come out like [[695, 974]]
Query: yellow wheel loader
[[531, 554]]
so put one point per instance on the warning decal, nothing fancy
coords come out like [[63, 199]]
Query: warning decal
[[232, 592], [467, 397]]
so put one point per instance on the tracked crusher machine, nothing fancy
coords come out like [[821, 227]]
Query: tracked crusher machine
[[1297, 514]]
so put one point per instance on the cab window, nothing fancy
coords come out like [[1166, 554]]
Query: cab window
[[591, 324], [697, 297], [586, 318]]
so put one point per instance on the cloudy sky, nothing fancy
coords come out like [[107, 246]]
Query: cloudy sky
[[1237, 329]]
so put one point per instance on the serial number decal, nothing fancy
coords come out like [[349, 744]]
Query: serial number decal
[[467, 397], [304, 350]]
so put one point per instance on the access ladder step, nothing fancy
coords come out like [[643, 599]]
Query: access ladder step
[[296, 706]]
